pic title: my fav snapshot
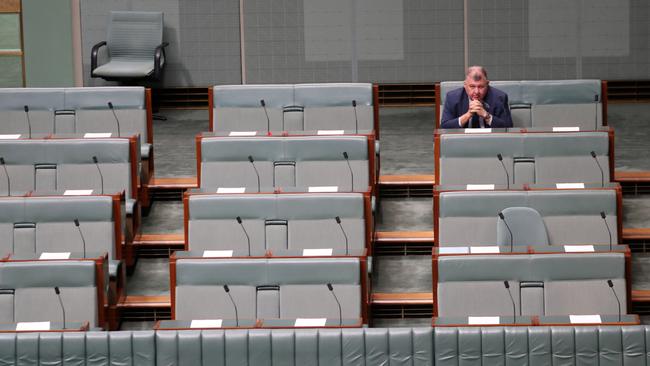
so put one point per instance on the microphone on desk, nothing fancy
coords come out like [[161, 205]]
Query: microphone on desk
[[602, 174], [101, 176], [4, 166], [250, 160], [29, 123], [227, 289], [500, 157], [58, 294], [83, 241], [611, 285], [331, 288], [347, 160], [604, 217], [338, 221], [356, 120], [512, 240], [248, 239], [514, 308], [117, 121], [268, 120]]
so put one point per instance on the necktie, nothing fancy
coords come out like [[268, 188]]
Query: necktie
[[475, 121]]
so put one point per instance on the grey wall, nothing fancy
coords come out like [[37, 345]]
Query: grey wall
[[289, 41]]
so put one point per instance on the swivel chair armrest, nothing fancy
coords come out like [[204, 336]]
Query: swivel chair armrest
[[93, 57], [159, 56]]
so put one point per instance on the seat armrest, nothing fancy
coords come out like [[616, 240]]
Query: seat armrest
[[145, 150], [159, 56], [93, 57]]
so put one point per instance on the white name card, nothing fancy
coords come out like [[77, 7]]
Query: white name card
[[231, 189], [478, 320], [316, 252], [566, 129], [318, 189], [78, 192], [478, 130], [35, 326], [483, 250], [242, 133], [578, 248], [9, 137], [55, 255], [585, 319], [570, 185], [453, 250], [480, 187], [206, 323], [330, 132], [310, 322], [217, 253], [96, 135]]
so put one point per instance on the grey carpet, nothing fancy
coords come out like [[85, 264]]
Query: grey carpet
[[406, 136], [636, 211], [411, 273], [631, 123], [405, 214], [165, 217], [150, 278]]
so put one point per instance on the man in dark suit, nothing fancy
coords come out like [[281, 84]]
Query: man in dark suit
[[476, 104]]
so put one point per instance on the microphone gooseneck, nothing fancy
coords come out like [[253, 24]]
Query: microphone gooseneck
[[58, 294], [331, 288], [227, 289], [356, 120], [4, 166], [248, 239], [514, 308], [29, 122], [117, 121], [101, 176], [602, 174], [338, 221], [604, 217], [250, 160], [81, 234], [512, 245], [268, 120], [500, 157], [347, 160], [611, 286]]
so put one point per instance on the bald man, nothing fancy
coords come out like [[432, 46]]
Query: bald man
[[476, 104]]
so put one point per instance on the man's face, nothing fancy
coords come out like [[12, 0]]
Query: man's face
[[476, 86]]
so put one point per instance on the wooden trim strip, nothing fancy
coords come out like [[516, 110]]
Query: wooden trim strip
[[636, 233], [420, 179], [640, 295], [402, 298], [11, 53], [632, 176], [385, 237], [10, 6], [145, 302]]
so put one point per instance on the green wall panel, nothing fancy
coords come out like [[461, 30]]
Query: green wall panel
[[9, 32], [12, 72]]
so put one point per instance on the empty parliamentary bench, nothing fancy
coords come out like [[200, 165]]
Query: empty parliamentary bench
[[346, 107], [546, 103], [261, 288], [540, 284], [425, 346], [277, 222], [536, 217], [266, 164], [515, 157]]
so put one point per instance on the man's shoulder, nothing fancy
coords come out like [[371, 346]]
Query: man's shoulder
[[455, 93], [497, 92]]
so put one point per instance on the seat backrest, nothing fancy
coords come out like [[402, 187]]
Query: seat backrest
[[134, 35], [41, 104], [526, 225]]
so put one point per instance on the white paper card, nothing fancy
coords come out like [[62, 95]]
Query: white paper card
[[453, 250], [55, 255], [95, 135], [316, 252], [217, 253], [578, 248], [585, 319], [33, 326], [330, 132], [206, 323], [310, 322], [242, 133], [231, 189], [323, 189], [9, 137], [482, 250], [478, 130], [480, 187], [566, 129], [477, 320], [570, 185], [78, 192]]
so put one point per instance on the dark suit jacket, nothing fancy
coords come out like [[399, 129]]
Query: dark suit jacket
[[495, 102]]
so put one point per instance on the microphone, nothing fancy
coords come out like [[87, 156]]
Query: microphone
[[510, 231], [268, 121], [58, 294], [331, 288], [29, 123], [602, 175], [83, 241], [356, 120], [101, 176], [338, 221], [4, 166], [225, 288], [604, 217], [347, 160], [611, 285], [500, 157], [248, 239], [117, 121], [514, 308], [250, 159]]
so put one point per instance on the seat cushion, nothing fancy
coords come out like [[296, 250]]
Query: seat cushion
[[125, 69]]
